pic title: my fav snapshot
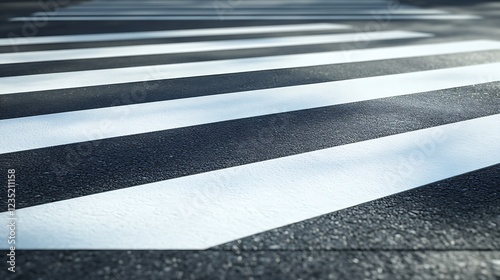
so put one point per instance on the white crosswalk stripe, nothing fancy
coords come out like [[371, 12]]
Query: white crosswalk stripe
[[65, 128], [382, 16], [53, 81], [260, 196], [246, 198], [320, 11], [170, 34], [241, 10], [224, 45]]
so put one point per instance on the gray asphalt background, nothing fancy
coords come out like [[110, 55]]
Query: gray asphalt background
[[445, 230]]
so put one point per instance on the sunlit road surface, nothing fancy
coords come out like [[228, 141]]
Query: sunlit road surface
[[250, 139]]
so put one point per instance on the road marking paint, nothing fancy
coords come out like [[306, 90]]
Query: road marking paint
[[241, 11], [171, 34], [382, 17], [55, 81], [219, 45], [79, 126], [253, 2], [211, 5], [209, 209]]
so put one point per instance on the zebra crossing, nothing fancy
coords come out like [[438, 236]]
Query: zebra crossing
[[260, 196], [241, 10], [196, 191], [170, 48], [169, 34], [76, 126]]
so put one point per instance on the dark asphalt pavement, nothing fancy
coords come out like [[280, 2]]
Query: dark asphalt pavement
[[444, 230]]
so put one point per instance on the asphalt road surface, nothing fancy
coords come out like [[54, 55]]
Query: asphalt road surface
[[301, 139]]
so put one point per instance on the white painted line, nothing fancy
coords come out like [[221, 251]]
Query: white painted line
[[211, 5], [79, 126], [253, 2], [243, 1], [241, 11], [248, 1], [208, 209], [256, 4], [54, 81], [381, 17], [218, 45], [222, 5], [171, 34]]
